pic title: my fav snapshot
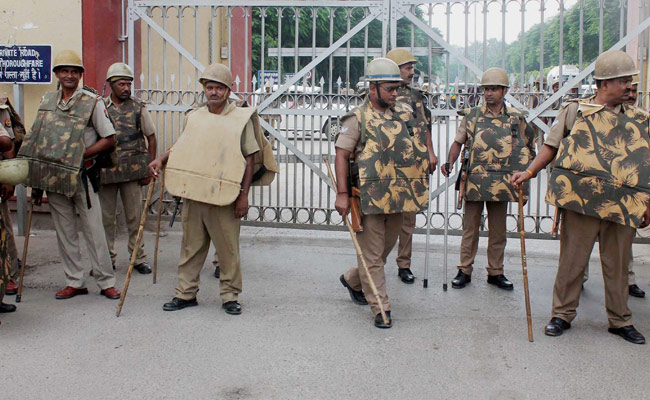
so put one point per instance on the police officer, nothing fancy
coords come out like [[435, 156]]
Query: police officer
[[136, 148], [13, 128], [421, 117], [211, 166], [497, 141], [633, 288], [393, 162], [70, 136], [601, 183], [6, 145]]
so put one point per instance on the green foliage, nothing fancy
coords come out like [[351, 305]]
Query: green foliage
[[316, 29], [571, 38]]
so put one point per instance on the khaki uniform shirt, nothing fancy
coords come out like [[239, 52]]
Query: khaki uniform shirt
[[99, 125], [350, 133], [146, 122], [567, 117], [5, 124], [461, 134], [248, 142]]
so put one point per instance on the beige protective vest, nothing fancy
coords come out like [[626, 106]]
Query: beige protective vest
[[206, 163]]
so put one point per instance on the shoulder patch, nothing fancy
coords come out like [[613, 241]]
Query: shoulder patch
[[7, 122]]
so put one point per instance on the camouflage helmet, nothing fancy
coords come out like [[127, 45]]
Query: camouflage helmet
[[635, 80], [67, 58], [401, 56], [495, 77], [119, 70], [14, 171], [614, 64], [382, 70], [218, 73]]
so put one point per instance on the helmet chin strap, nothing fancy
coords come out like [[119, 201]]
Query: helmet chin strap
[[381, 101]]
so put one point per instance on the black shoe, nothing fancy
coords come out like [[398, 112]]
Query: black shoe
[[406, 275], [556, 327], [461, 280], [217, 272], [501, 281], [232, 307], [143, 268], [179, 304], [356, 295], [379, 321], [636, 291], [7, 308], [628, 333]]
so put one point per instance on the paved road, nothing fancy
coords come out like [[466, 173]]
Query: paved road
[[300, 336]]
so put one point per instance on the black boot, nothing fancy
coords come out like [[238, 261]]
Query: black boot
[[556, 327], [461, 280], [501, 281], [179, 304], [379, 321], [406, 275], [356, 295], [636, 291]]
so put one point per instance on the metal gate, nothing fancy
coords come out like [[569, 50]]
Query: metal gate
[[300, 62]]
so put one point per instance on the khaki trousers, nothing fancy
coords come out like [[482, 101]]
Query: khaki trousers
[[203, 223], [578, 235], [631, 278], [64, 216], [405, 245], [378, 238], [12, 251], [131, 196], [496, 215]]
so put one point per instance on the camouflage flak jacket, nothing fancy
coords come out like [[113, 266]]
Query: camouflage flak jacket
[[394, 162], [498, 147], [413, 97], [132, 155], [55, 146], [602, 168]]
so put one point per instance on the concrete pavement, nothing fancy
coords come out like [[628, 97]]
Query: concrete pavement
[[300, 336]]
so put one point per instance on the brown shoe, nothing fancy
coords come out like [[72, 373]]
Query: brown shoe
[[111, 293], [12, 287], [69, 292]]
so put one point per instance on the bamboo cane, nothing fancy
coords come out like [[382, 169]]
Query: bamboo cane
[[160, 208], [373, 288], [523, 263], [19, 294], [138, 239]]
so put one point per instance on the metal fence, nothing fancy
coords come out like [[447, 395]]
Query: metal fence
[[303, 61]]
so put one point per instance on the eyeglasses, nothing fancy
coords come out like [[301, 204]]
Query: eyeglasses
[[389, 89]]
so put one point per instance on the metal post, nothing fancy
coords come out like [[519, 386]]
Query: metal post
[[21, 192]]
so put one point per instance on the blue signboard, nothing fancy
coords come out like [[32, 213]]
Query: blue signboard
[[25, 64], [269, 78]]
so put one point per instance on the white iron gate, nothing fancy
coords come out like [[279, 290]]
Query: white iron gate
[[300, 62]]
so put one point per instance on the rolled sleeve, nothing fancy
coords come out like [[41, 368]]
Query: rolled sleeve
[[101, 122], [349, 134], [146, 122], [248, 141], [558, 129], [461, 133]]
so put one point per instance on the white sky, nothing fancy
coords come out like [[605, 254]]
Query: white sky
[[475, 24]]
